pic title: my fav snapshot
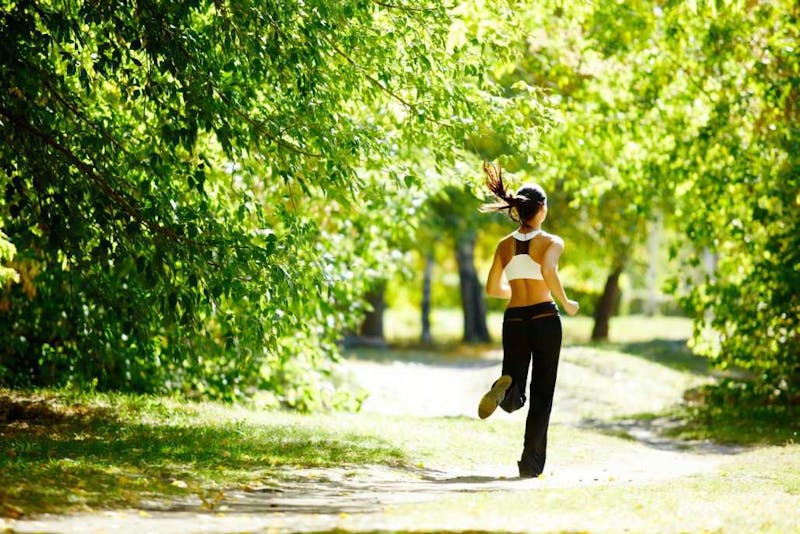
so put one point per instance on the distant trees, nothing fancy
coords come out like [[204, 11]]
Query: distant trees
[[452, 215]]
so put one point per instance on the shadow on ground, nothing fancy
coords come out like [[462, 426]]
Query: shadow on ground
[[93, 456], [673, 353], [337, 491], [654, 432]]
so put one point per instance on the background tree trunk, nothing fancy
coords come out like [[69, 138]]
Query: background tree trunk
[[426, 338], [473, 305], [371, 331], [607, 305], [653, 305]]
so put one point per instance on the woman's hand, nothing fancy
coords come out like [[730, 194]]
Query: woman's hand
[[571, 307]]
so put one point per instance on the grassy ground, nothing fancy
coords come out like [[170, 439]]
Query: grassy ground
[[115, 451], [64, 452], [61, 451]]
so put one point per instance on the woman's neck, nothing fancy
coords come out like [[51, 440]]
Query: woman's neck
[[527, 228]]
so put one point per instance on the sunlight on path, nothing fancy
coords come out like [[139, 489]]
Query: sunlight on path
[[320, 499], [591, 383], [410, 388], [593, 386]]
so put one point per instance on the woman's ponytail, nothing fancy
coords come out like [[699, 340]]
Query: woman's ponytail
[[494, 181], [521, 206]]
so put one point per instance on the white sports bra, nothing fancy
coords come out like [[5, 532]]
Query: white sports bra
[[522, 265]]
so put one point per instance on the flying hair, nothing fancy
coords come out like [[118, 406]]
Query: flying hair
[[522, 205], [494, 181]]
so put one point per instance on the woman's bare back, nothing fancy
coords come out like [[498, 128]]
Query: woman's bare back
[[526, 291]]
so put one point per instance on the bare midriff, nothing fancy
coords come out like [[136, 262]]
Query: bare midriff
[[527, 291]]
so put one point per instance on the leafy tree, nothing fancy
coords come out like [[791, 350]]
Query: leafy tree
[[601, 147], [738, 161], [199, 189], [453, 212], [689, 109], [7, 251]]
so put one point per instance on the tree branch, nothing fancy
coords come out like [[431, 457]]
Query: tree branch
[[90, 171], [259, 127], [236, 111], [381, 86], [388, 5]]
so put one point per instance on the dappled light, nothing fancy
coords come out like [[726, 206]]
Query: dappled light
[[399, 266]]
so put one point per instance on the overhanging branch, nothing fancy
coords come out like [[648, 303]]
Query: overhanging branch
[[88, 170]]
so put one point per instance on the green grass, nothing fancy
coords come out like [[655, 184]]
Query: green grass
[[735, 425], [64, 451], [60, 453], [756, 491], [113, 451]]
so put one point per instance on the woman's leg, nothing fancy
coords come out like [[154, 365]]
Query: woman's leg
[[545, 343], [516, 359]]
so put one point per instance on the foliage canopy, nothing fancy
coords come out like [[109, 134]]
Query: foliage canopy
[[690, 108], [199, 191]]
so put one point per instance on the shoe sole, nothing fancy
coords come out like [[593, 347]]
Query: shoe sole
[[494, 397]]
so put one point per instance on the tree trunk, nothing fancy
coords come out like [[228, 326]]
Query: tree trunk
[[371, 332], [472, 303], [607, 305], [427, 339], [652, 305]]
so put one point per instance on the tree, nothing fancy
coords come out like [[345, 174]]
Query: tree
[[426, 338], [690, 109], [185, 181], [601, 146], [454, 214], [370, 332], [738, 159]]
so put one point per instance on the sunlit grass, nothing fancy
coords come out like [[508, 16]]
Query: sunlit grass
[[115, 450], [67, 451], [746, 425], [756, 491], [120, 450]]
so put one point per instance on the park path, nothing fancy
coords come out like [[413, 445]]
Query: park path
[[363, 498]]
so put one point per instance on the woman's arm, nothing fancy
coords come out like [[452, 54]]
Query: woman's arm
[[494, 283], [551, 278]]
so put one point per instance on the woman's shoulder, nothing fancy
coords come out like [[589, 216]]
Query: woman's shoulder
[[506, 239], [550, 239], [505, 246]]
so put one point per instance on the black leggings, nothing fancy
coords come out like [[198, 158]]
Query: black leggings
[[532, 334]]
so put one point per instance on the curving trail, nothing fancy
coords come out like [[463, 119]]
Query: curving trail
[[591, 390]]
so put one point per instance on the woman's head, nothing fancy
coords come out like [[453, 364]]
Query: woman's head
[[523, 206]]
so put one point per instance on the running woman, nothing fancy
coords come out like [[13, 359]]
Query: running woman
[[531, 323]]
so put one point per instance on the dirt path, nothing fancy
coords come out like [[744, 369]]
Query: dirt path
[[363, 498]]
